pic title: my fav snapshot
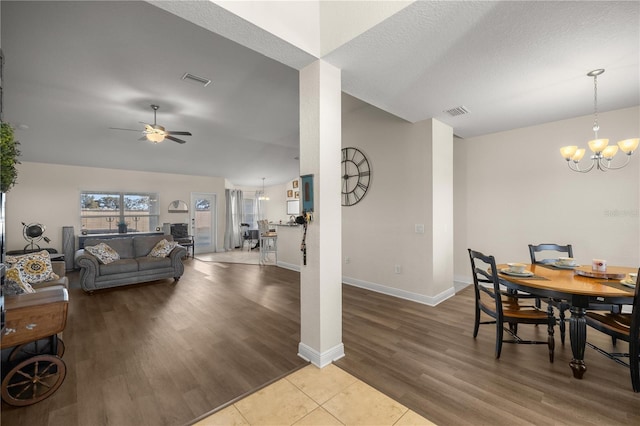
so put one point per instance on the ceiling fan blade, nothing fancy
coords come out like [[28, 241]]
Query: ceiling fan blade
[[144, 138], [171, 132], [175, 139], [119, 128]]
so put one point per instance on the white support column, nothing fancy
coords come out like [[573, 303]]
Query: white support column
[[321, 278], [441, 188]]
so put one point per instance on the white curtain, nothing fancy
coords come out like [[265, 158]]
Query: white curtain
[[234, 214], [259, 205]]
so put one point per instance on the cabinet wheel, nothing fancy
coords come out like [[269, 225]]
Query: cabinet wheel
[[33, 380]]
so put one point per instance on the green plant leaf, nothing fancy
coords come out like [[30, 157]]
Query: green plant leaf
[[9, 154]]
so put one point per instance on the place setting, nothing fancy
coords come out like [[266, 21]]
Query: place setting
[[630, 280], [565, 263], [519, 270]]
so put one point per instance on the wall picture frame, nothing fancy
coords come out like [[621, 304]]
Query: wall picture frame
[[297, 195], [290, 193], [307, 193], [295, 183]]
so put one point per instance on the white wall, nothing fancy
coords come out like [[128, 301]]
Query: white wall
[[510, 189], [50, 194], [513, 188], [378, 233]]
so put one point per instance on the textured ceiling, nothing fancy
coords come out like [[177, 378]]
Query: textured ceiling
[[74, 69]]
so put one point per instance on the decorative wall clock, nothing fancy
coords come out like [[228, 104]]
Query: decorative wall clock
[[356, 176]]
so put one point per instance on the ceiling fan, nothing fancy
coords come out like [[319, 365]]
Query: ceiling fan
[[155, 132]]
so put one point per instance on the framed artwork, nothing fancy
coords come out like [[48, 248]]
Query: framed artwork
[[297, 194], [307, 193], [290, 193], [295, 183]]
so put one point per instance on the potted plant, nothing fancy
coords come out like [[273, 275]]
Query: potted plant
[[9, 154], [122, 227]]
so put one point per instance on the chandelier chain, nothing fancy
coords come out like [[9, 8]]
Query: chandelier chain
[[596, 126]]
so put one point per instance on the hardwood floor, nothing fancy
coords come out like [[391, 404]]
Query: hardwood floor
[[165, 354], [426, 359]]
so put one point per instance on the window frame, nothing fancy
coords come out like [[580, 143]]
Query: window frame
[[120, 214]]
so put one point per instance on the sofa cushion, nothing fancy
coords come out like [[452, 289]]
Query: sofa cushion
[[149, 263], [14, 284], [119, 267], [103, 252], [162, 248], [124, 246], [33, 267], [143, 245]]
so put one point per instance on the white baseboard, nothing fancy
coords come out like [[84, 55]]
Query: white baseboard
[[460, 283], [403, 294], [290, 266], [318, 359]]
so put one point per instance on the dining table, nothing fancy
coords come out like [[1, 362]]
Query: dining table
[[580, 288]]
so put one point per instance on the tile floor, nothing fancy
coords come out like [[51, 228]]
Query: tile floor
[[314, 396]]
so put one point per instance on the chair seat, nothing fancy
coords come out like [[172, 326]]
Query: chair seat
[[614, 323], [511, 308]]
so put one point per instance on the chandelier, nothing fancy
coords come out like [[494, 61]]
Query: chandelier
[[262, 196], [603, 153]]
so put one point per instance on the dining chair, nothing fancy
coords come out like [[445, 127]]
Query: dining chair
[[560, 305], [625, 327], [504, 307], [557, 248]]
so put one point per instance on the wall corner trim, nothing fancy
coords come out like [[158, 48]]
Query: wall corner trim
[[318, 359]]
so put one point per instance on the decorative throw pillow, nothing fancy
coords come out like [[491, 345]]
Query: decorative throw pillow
[[33, 267], [103, 253], [162, 248], [13, 283]]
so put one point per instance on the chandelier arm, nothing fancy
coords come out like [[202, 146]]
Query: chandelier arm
[[607, 166], [576, 167]]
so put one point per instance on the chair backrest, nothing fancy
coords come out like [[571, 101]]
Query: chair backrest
[[263, 226], [180, 230], [483, 270], [533, 249]]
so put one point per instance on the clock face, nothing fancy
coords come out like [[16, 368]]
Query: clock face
[[356, 176]]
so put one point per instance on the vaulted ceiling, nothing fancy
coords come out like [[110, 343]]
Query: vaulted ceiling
[[76, 69]]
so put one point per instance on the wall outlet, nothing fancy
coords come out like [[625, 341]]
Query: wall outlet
[[347, 260], [397, 269], [419, 228]]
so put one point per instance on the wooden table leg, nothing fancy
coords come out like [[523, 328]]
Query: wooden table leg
[[578, 336]]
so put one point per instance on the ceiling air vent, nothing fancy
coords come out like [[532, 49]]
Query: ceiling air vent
[[461, 110], [201, 80]]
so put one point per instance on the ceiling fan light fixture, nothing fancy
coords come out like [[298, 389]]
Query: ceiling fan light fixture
[[155, 137], [156, 133]]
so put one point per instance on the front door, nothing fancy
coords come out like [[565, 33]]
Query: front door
[[203, 222]]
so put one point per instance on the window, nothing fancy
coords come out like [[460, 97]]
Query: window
[[249, 213], [101, 212]]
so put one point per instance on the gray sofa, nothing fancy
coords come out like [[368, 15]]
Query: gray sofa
[[134, 266]]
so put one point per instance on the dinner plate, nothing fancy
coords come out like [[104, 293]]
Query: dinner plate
[[561, 266], [628, 283], [507, 271]]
